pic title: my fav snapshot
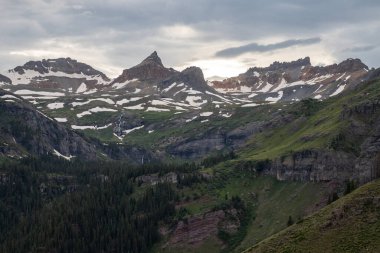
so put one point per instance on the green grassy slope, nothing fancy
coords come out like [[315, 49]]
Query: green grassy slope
[[351, 224], [317, 125]]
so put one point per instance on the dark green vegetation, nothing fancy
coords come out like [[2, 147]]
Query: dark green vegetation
[[50, 205], [350, 224]]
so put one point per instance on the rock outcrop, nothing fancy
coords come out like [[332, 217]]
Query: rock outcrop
[[150, 69], [361, 164], [5, 80], [197, 229]]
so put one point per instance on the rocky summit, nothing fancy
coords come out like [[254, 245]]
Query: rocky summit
[[62, 73], [150, 69]]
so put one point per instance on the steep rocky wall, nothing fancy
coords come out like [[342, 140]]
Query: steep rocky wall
[[318, 166], [362, 129]]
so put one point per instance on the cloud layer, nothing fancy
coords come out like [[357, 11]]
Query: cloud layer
[[254, 47], [116, 34]]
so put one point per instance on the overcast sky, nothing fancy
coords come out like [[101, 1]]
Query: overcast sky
[[223, 37]]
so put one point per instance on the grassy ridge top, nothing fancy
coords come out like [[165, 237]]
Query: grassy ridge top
[[351, 224]]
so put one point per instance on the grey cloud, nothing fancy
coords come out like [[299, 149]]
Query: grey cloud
[[126, 30], [254, 47], [360, 48]]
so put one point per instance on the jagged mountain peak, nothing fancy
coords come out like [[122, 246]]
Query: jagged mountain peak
[[195, 78], [150, 69], [292, 64], [281, 66], [152, 59]]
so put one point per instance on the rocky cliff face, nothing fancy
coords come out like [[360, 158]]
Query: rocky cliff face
[[27, 131], [199, 228], [150, 69], [361, 164]]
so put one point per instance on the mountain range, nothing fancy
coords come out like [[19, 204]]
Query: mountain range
[[136, 102]]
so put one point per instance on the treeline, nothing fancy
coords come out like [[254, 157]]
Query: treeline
[[218, 158], [53, 164]]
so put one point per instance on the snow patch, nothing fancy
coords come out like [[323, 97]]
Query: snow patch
[[170, 87], [339, 90], [90, 91], [95, 110], [135, 107], [245, 89], [341, 76], [155, 109], [9, 97], [90, 127], [53, 106], [159, 102], [55, 152], [193, 118], [40, 93], [106, 100], [126, 101], [132, 129], [266, 88], [218, 96], [122, 85], [62, 120], [192, 100], [226, 115], [275, 99], [206, 114], [193, 92], [282, 84], [82, 88], [249, 105]]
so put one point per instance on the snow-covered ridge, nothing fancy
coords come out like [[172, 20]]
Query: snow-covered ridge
[[30, 75]]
